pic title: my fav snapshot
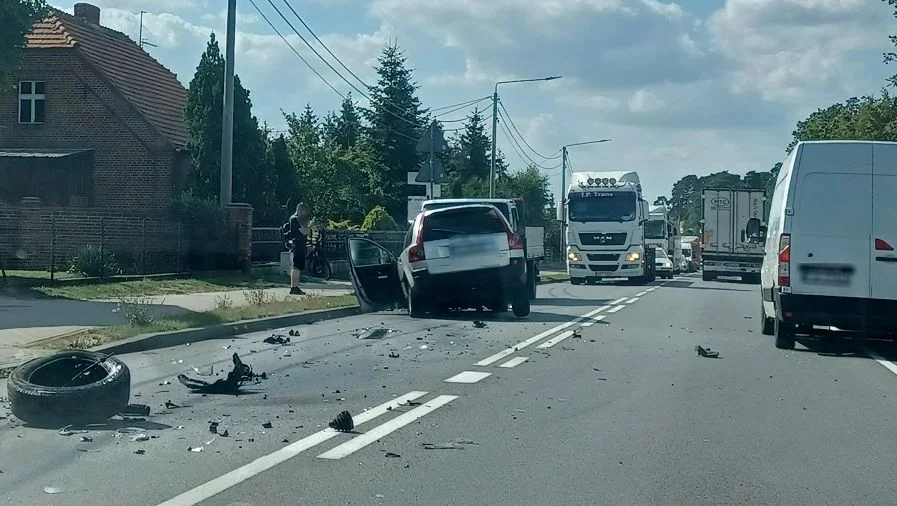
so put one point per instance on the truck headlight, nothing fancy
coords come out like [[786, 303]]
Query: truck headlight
[[574, 257], [633, 256]]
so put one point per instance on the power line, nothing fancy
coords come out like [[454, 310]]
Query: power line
[[461, 105], [520, 151], [554, 156], [466, 118]]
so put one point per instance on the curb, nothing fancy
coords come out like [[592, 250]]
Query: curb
[[553, 281], [147, 342]]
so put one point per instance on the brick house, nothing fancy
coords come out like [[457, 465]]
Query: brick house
[[95, 121]]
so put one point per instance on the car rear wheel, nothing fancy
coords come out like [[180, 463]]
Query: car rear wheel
[[499, 306], [784, 333], [521, 307], [415, 305]]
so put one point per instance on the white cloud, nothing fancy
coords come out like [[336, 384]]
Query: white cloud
[[644, 101]]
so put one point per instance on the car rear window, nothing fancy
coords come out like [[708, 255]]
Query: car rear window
[[470, 221]]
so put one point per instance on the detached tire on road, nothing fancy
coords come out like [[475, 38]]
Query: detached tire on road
[[42, 391]]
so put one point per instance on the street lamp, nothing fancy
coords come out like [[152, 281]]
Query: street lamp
[[563, 199], [495, 123]]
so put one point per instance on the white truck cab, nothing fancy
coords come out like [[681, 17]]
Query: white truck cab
[[605, 218], [830, 256]]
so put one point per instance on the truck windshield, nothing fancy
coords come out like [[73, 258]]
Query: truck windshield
[[602, 206], [655, 229]]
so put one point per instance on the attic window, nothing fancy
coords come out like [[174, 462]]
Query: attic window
[[32, 101]]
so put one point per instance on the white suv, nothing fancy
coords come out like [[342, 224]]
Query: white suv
[[465, 256]]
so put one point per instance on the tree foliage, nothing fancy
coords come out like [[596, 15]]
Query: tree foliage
[[16, 18]]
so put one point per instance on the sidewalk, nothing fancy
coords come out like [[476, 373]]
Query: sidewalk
[[26, 322]]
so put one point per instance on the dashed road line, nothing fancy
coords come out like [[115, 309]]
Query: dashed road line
[[651, 289], [556, 339], [536, 338], [468, 377], [618, 301], [514, 362], [878, 358], [386, 428], [220, 484], [615, 309], [641, 294], [632, 300]]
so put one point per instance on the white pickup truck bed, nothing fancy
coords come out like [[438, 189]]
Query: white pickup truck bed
[[535, 243]]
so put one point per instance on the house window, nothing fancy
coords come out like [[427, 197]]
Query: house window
[[32, 101]]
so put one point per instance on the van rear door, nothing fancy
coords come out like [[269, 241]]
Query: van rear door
[[883, 242], [832, 220]]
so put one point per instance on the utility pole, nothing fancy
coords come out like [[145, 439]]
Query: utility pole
[[227, 128], [494, 127], [562, 207], [432, 157], [140, 40]]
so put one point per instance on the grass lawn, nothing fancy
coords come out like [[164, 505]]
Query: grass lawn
[[102, 335], [554, 277], [38, 284]]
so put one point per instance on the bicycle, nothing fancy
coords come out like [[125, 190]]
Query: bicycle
[[315, 264]]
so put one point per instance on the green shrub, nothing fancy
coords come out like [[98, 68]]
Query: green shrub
[[94, 263], [189, 208], [379, 219]]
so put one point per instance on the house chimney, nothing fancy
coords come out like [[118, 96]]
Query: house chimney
[[88, 12]]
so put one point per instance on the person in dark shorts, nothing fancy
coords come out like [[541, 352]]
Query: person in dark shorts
[[298, 241]]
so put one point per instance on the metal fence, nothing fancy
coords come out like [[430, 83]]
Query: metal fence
[[333, 245]]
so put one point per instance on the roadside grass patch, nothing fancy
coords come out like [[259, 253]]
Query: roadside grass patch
[[273, 307]]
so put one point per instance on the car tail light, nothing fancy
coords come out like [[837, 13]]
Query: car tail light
[[785, 260], [882, 245], [514, 241], [416, 251]]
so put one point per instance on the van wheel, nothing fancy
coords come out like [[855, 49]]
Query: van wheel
[[784, 335], [767, 324], [521, 307]]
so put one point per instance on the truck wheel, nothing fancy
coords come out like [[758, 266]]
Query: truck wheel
[[42, 392], [521, 307], [784, 333], [706, 276], [767, 324], [575, 281], [531, 281]]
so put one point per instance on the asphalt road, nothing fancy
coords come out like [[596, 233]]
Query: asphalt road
[[622, 411]]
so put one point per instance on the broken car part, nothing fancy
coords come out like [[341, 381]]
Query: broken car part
[[343, 422], [58, 390], [240, 373]]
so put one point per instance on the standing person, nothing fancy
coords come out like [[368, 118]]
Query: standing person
[[298, 242]]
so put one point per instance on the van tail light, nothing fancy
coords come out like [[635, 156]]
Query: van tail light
[[514, 241], [882, 245], [416, 251], [785, 260]]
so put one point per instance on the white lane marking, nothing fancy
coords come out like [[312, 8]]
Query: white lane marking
[[514, 362], [651, 289], [642, 294], [615, 309], [618, 301], [887, 363], [588, 323], [468, 377], [262, 464], [632, 300], [386, 428], [536, 338], [556, 339]]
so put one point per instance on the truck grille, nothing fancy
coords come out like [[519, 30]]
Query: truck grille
[[603, 257], [609, 239], [603, 268]]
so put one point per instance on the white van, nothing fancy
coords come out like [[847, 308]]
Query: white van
[[830, 257]]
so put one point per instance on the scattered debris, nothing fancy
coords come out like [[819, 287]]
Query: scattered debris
[[224, 433], [343, 422], [392, 455], [457, 445], [378, 333], [411, 403], [140, 452], [479, 324], [210, 372], [393, 355], [171, 405], [294, 333], [577, 334], [135, 410], [241, 372], [139, 438], [706, 352], [86, 439], [277, 339], [267, 425], [194, 450], [213, 427], [53, 490], [424, 346]]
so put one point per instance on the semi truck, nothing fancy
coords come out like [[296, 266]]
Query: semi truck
[[660, 232], [512, 209], [732, 241], [605, 220]]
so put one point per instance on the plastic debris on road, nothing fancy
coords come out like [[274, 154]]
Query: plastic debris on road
[[706, 352], [378, 333], [231, 385], [343, 422], [276, 339], [479, 324]]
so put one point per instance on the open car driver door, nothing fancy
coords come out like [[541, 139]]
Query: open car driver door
[[374, 275]]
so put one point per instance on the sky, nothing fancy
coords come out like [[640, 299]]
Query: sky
[[681, 88]]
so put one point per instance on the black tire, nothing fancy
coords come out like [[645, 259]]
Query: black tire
[[531, 281], [706, 276], [767, 324], [521, 307], [575, 281], [784, 335], [84, 402], [415, 306]]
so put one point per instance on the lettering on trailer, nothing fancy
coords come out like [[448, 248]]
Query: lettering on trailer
[[597, 194], [720, 202]]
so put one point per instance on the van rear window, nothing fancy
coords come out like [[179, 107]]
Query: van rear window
[[470, 221]]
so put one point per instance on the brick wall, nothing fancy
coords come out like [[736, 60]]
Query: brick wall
[[135, 168], [143, 243]]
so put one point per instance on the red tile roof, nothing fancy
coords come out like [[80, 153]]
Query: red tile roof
[[153, 89]]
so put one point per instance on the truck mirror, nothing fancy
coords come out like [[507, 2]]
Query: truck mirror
[[753, 230]]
